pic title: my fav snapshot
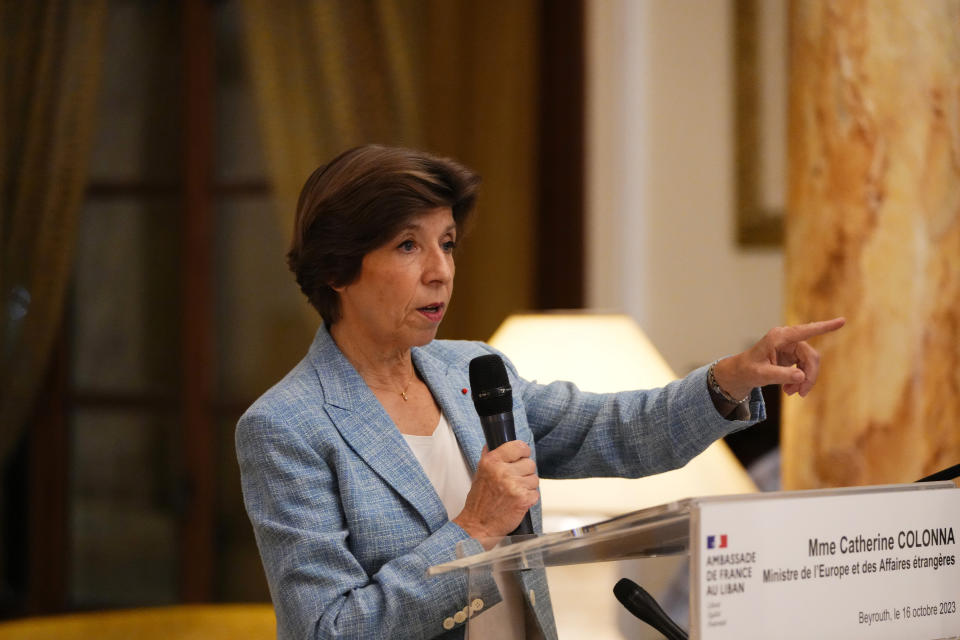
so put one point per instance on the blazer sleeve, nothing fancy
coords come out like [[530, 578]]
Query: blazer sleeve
[[318, 586], [628, 434]]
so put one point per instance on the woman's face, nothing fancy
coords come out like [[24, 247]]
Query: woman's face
[[404, 286]]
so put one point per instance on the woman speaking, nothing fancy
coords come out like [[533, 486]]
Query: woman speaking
[[366, 464]]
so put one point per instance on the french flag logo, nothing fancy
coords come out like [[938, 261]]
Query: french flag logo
[[717, 542]]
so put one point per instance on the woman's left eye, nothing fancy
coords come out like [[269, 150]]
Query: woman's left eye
[[449, 245]]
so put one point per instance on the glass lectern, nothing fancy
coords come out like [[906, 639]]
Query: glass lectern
[[858, 558]]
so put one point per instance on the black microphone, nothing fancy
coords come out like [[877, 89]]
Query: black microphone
[[493, 399], [641, 604]]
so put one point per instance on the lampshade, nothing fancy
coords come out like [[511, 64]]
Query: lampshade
[[606, 353]]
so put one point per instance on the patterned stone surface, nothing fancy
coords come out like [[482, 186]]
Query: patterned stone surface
[[873, 233]]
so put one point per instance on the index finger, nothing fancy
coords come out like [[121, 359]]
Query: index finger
[[801, 332]]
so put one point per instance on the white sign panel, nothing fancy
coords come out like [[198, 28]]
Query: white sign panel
[[865, 565]]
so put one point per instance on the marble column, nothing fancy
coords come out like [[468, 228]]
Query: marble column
[[873, 233]]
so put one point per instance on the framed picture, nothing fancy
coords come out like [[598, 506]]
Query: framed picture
[[761, 77]]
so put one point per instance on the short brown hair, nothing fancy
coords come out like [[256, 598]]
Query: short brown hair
[[360, 200]]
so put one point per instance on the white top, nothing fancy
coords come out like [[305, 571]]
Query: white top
[[446, 467], [443, 462]]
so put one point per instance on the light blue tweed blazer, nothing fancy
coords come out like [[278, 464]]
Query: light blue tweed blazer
[[347, 522]]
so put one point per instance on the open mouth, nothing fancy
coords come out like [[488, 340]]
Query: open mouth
[[432, 311]]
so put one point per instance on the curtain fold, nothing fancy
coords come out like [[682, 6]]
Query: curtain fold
[[454, 77], [321, 84], [50, 60]]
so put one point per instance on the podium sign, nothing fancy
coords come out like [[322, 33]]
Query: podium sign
[[874, 563]]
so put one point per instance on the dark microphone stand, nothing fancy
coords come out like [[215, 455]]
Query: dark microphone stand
[[641, 604]]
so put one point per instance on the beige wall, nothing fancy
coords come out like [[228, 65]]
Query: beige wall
[[660, 185]]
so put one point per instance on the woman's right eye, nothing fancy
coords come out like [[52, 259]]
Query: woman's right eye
[[407, 245]]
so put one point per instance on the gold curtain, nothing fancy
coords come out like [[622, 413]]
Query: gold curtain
[[455, 77], [50, 58]]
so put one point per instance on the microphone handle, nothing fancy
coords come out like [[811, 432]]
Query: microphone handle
[[525, 528], [498, 429]]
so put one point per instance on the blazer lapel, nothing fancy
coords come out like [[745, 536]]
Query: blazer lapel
[[366, 427], [448, 385]]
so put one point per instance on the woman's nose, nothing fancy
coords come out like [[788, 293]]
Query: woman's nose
[[439, 266]]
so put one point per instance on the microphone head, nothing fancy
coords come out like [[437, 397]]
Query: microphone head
[[625, 590], [641, 604], [490, 386]]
